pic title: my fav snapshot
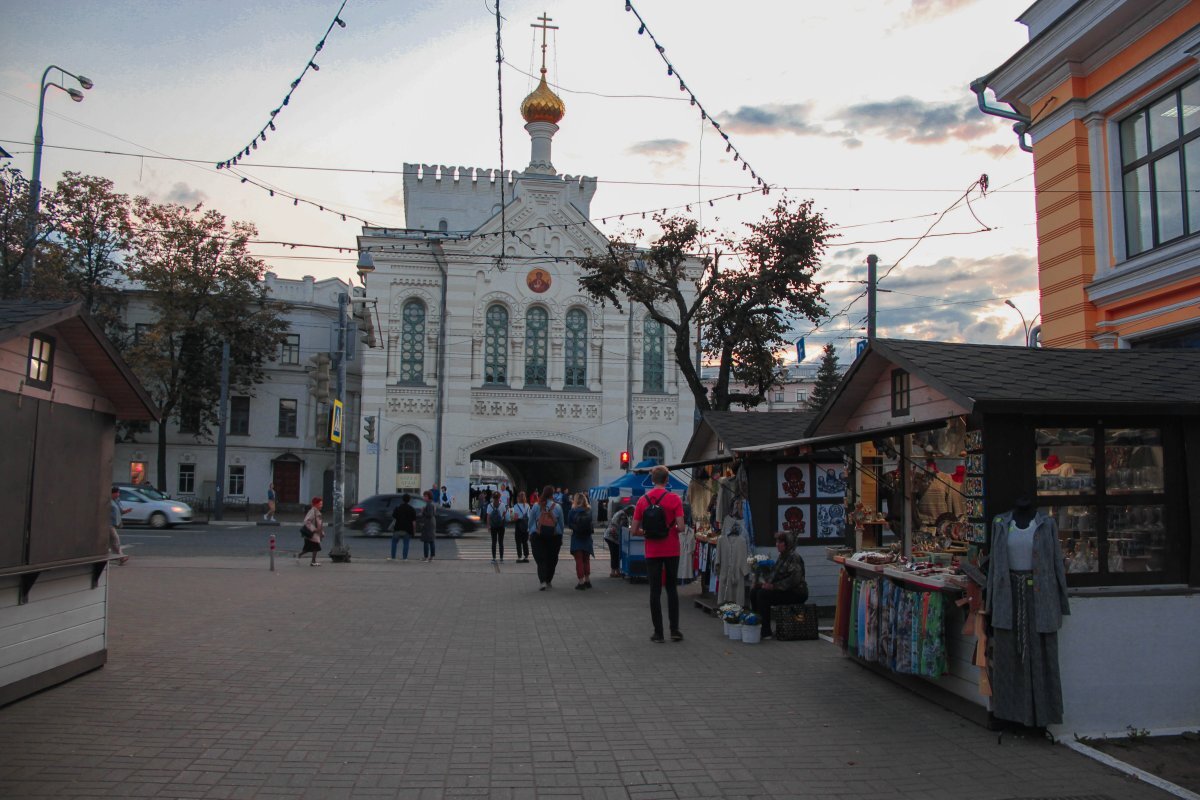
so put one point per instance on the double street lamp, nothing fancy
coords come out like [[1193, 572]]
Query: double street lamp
[[35, 184], [1024, 324]]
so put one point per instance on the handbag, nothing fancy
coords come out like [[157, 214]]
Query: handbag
[[793, 622]]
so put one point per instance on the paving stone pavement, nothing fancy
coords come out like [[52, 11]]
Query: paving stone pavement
[[455, 679]]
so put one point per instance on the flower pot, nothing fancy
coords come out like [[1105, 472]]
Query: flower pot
[[751, 634], [727, 627], [735, 632]]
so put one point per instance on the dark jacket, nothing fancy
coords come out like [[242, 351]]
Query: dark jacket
[[788, 573], [406, 517], [428, 522], [1049, 576]]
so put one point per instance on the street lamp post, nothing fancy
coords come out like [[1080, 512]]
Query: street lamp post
[[1024, 324], [35, 183]]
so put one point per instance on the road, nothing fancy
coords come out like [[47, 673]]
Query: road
[[250, 539]]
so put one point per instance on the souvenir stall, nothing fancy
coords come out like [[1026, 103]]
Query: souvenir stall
[[1024, 544]]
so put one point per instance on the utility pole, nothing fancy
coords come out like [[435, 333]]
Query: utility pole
[[629, 385], [872, 268], [378, 446], [439, 256], [339, 552], [222, 428]]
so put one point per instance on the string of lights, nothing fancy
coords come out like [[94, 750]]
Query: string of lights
[[672, 72], [287, 98]]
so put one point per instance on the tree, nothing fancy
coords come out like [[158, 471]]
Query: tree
[[744, 313], [205, 289], [828, 378], [14, 216], [90, 225]]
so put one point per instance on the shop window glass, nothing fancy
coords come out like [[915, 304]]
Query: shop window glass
[[412, 342], [137, 472], [1111, 513], [1133, 461], [495, 345], [1065, 461], [537, 326]]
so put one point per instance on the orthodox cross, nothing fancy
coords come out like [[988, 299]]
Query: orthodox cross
[[545, 26]]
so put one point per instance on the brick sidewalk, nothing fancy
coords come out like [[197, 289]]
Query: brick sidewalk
[[449, 679]]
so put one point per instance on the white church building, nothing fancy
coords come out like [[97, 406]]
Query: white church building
[[491, 352]]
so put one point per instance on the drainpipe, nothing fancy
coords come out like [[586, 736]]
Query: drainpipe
[[1021, 129], [439, 256]]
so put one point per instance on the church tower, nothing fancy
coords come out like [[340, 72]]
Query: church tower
[[490, 351]]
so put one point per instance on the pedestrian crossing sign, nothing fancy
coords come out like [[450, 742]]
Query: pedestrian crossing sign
[[335, 422]]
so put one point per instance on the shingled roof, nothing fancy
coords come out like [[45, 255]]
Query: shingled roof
[[737, 429], [20, 318], [991, 378]]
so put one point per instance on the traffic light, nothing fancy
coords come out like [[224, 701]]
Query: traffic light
[[625, 459], [369, 428], [319, 377], [361, 314]]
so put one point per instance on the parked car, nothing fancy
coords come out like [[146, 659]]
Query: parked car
[[146, 510], [146, 489], [373, 516]]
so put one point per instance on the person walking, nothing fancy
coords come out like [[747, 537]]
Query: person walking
[[428, 527], [520, 516], [579, 520], [116, 514], [270, 515], [545, 536], [404, 518], [496, 513], [313, 530], [612, 539], [656, 518]]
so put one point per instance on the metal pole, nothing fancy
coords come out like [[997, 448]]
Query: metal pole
[[872, 266], [222, 426], [272, 548], [339, 552], [378, 445], [440, 257], [629, 388], [35, 195]]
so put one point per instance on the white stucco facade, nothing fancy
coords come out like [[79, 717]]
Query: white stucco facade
[[567, 428]]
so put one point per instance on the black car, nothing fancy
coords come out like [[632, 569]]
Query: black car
[[373, 516]]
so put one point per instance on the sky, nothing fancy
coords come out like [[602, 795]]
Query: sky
[[863, 106]]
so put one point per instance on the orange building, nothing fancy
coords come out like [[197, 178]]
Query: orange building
[[1109, 93]]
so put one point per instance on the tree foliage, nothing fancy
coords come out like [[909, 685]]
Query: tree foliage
[[828, 378], [205, 288], [744, 311]]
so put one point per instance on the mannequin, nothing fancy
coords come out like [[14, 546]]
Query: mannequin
[[1026, 601]]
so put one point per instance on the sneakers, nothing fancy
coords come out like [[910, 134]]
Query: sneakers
[[587, 584], [314, 563], [543, 588], [676, 636], [579, 587], [392, 558], [657, 638]]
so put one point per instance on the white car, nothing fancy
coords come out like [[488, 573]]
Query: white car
[[147, 510]]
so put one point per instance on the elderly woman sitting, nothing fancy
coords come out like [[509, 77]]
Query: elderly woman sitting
[[785, 586]]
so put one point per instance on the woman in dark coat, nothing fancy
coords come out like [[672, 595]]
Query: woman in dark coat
[[428, 527], [787, 584]]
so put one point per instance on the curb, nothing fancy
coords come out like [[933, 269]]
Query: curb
[[1129, 769]]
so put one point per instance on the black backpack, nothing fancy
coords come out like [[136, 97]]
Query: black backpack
[[654, 519], [496, 516]]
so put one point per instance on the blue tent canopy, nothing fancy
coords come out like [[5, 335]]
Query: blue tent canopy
[[635, 484]]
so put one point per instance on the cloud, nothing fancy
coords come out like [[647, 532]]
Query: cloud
[[660, 152], [907, 119], [924, 10], [918, 121], [185, 195], [773, 118]]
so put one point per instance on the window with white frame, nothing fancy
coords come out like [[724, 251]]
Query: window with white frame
[[290, 349], [801, 395], [187, 479], [1160, 165], [237, 480], [779, 396]]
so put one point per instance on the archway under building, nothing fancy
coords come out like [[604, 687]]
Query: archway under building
[[534, 463]]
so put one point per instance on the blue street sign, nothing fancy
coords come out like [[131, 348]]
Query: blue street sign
[[799, 350]]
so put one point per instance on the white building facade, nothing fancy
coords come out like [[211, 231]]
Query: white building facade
[[276, 433], [505, 359]]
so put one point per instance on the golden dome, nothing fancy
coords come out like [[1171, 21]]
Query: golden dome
[[543, 105]]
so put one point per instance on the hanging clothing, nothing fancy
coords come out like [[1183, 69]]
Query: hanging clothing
[[1026, 608], [687, 546], [935, 500], [700, 496], [732, 570]]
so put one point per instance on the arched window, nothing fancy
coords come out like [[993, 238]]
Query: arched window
[[408, 454], [495, 345], [412, 342], [575, 350], [654, 450], [652, 356], [443, 226], [537, 323]]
